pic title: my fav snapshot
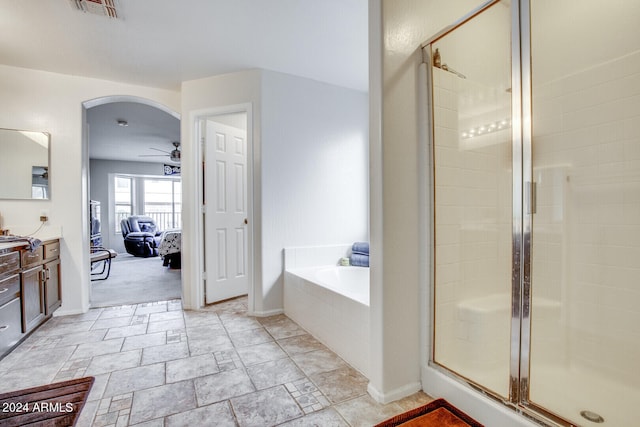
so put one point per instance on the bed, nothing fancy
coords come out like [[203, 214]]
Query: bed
[[170, 248]]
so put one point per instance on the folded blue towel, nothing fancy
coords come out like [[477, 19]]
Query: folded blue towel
[[360, 260], [31, 242], [360, 248]]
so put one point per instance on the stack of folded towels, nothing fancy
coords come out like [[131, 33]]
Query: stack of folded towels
[[360, 254]]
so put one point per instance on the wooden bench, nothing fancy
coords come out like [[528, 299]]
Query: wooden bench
[[104, 256]]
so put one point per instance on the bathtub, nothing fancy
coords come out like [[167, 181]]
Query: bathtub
[[332, 304], [352, 282]]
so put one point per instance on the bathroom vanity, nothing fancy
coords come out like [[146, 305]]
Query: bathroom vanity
[[30, 289]]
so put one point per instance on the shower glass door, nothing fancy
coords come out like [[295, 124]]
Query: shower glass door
[[585, 314], [537, 206], [472, 152], [536, 186]]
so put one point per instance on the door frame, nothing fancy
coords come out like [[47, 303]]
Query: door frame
[[196, 121], [86, 171]]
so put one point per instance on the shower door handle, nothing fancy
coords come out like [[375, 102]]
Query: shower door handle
[[531, 197]]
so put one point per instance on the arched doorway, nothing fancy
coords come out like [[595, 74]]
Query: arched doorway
[[131, 169]]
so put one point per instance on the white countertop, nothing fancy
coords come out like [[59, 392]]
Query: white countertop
[[20, 243], [8, 245]]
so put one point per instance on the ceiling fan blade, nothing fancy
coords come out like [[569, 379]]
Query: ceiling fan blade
[[157, 149], [152, 155]]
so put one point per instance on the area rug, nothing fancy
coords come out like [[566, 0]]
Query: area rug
[[438, 413], [52, 405]]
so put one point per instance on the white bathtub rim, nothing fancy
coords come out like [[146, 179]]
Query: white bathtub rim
[[309, 274]]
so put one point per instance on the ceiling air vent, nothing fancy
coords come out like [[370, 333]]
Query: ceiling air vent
[[98, 7]]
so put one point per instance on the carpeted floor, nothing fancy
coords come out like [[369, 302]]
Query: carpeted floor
[[135, 280]]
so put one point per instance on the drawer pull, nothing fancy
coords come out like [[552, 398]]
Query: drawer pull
[[4, 290], [4, 328]]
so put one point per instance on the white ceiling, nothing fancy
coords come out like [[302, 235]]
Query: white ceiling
[[148, 130], [161, 43]]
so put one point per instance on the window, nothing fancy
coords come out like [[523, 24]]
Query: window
[[156, 197], [163, 202], [39, 192], [123, 199]]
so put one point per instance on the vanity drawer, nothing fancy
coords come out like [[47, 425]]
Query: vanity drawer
[[9, 288], [51, 250], [10, 325], [9, 262], [31, 258]]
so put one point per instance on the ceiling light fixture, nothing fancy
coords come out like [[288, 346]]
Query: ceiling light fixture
[[123, 123]]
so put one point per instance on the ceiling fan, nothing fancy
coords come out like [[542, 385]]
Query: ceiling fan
[[40, 172], [174, 155]]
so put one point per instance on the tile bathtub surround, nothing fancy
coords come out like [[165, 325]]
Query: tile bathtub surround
[[157, 365]]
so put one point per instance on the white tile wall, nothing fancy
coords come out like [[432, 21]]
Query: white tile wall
[[340, 323], [586, 151], [473, 224], [586, 253], [310, 256]]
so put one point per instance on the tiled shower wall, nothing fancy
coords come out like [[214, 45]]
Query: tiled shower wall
[[586, 236], [586, 240], [473, 226]]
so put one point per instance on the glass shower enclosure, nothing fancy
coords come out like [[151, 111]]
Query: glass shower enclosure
[[535, 145]]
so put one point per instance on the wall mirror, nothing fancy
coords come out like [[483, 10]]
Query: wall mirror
[[24, 164]]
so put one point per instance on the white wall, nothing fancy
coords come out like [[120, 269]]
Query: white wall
[[309, 158], [399, 262], [314, 170], [99, 190], [200, 98], [332, 130], [400, 310], [400, 28], [42, 101]]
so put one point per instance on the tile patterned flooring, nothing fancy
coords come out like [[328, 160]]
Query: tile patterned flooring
[[159, 366]]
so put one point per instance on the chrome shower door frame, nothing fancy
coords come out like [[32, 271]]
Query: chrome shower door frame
[[523, 209]]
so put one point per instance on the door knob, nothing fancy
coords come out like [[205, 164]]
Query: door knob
[[246, 221]]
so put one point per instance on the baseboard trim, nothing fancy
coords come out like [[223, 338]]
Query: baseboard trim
[[267, 313], [62, 312], [395, 394]]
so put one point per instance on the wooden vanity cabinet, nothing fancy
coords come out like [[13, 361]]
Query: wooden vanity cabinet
[[52, 284], [10, 312], [33, 310], [29, 290]]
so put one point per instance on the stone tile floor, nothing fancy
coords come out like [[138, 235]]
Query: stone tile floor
[[157, 365]]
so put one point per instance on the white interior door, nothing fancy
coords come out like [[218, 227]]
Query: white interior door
[[226, 213]]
